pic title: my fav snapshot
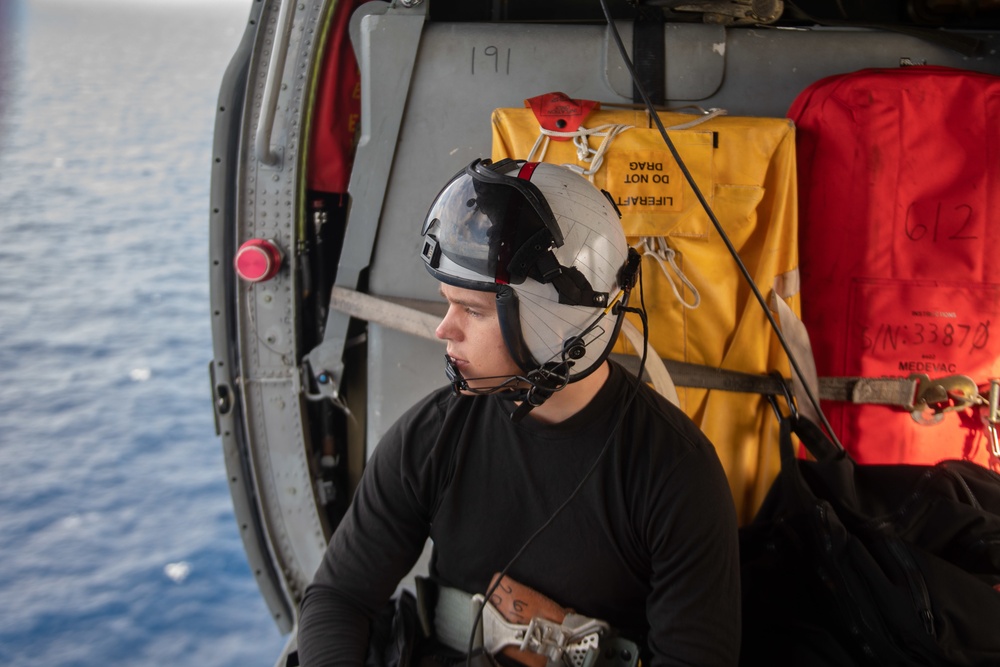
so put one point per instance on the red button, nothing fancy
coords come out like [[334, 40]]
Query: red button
[[257, 260]]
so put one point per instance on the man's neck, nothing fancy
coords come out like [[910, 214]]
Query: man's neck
[[571, 399]]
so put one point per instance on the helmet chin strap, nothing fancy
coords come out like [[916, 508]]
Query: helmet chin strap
[[460, 383], [542, 383]]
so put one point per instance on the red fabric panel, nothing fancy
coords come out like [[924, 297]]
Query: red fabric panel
[[338, 108]]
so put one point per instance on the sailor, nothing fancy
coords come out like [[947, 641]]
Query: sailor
[[603, 506]]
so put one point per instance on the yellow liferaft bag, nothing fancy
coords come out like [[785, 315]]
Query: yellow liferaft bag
[[700, 308]]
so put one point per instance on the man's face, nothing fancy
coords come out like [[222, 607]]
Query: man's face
[[472, 331]]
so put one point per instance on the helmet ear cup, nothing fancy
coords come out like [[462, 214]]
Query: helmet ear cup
[[508, 314]]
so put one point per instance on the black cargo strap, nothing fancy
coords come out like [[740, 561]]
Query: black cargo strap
[[649, 55]]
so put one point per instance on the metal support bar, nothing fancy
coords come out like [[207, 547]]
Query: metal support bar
[[275, 71]]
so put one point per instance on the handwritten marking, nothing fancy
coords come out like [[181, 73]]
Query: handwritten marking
[[494, 53], [955, 226], [886, 337]]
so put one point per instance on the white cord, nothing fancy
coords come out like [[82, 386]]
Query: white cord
[[581, 139], [657, 248]]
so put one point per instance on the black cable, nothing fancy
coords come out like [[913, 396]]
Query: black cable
[[641, 311], [715, 222]]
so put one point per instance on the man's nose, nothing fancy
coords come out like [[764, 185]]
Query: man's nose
[[445, 329]]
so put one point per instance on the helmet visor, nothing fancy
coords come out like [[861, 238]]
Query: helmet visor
[[481, 220]]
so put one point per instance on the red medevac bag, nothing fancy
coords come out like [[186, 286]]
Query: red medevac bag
[[899, 213]]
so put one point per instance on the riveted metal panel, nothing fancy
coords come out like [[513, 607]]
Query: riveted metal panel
[[267, 312]]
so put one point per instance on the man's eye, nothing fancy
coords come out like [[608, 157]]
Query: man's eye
[[473, 313]]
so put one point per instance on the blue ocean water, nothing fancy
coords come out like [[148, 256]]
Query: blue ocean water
[[118, 543]]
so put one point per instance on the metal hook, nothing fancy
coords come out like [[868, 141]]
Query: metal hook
[[786, 391], [935, 397], [991, 420]]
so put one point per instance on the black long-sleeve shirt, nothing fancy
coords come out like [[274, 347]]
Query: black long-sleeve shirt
[[648, 545]]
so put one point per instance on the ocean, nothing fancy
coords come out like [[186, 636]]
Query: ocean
[[118, 542]]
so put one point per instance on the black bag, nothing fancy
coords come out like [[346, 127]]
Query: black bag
[[849, 564]]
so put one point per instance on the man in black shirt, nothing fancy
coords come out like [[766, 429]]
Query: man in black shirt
[[543, 459]]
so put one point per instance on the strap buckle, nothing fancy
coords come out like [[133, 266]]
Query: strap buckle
[[567, 643]]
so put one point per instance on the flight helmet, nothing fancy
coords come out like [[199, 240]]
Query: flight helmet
[[552, 248]]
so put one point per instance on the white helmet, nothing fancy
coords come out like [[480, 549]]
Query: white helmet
[[551, 246]]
